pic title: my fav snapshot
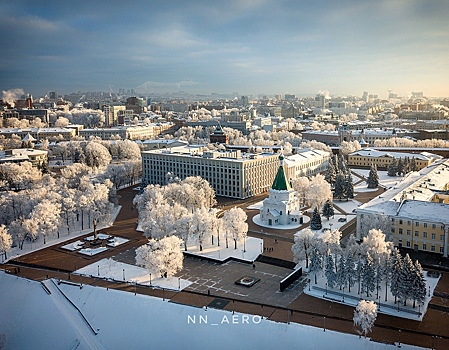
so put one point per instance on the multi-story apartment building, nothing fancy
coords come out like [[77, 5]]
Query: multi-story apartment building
[[111, 114], [233, 173], [415, 211], [369, 156]]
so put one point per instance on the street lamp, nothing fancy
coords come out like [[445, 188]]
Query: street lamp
[[330, 225], [150, 278]]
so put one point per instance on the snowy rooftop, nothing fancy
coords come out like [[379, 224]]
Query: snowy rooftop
[[304, 155], [419, 186], [425, 211], [109, 319], [371, 152]]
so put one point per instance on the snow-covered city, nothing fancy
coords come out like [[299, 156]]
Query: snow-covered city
[[248, 175]]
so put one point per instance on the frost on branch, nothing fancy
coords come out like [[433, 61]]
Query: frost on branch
[[365, 315], [162, 257]]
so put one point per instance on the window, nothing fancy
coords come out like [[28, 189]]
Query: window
[[400, 222], [434, 226], [441, 237], [408, 222], [432, 248], [424, 234], [425, 224], [416, 233], [417, 224], [433, 235], [408, 232], [400, 231], [424, 246], [441, 250], [408, 244]]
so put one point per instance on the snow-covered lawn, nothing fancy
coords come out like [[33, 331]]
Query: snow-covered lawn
[[363, 187], [249, 251], [116, 241], [92, 251], [386, 307], [347, 206], [384, 179], [33, 319], [73, 246], [76, 231], [99, 236], [109, 268]]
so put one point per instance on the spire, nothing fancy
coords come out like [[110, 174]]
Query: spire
[[280, 182]]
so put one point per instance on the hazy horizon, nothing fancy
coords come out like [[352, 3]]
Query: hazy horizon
[[246, 46]]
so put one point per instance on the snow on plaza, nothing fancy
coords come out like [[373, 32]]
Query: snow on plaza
[[69, 317]]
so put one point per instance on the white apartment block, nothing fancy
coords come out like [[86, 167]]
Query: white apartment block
[[231, 174], [142, 132]]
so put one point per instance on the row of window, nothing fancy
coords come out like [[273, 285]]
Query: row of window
[[417, 224], [423, 247], [424, 234]]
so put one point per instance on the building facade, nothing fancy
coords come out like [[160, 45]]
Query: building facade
[[232, 173], [368, 156], [415, 212]]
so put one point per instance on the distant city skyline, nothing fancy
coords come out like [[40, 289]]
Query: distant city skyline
[[248, 46]]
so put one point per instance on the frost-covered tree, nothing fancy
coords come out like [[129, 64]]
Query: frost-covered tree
[[182, 228], [328, 209], [127, 149], [400, 167], [368, 275], [96, 155], [329, 270], [375, 221], [331, 242], [352, 247], [163, 257], [376, 245], [47, 217], [315, 222], [340, 187], [305, 240], [365, 315], [407, 277], [341, 276], [319, 192], [419, 285], [350, 272], [236, 225], [316, 261], [301, 186], [5, 240], [330, 174], [373, 177], [349, 186], [62, 122], [396, 275], [200, 228], [157, 221], [392, 169], [19, 177]]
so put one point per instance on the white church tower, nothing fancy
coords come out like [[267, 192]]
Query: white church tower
[[282, 205]]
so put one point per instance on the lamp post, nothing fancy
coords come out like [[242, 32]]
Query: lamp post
[[330, 225], [150, 279], [123, 274]]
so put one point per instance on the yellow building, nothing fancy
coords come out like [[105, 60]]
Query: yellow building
[[368, 156], [415, 212]]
